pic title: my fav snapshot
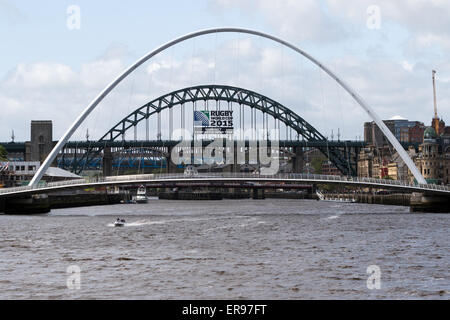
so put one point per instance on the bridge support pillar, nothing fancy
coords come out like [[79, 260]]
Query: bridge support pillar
[[429, 203], [297, 165], [235, 167], [107, 162], [258, 194], [34, 204], [170, 166]]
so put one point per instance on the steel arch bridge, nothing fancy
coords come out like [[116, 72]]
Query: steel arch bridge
[[340, 158]]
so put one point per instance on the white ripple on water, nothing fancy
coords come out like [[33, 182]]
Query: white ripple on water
[[141, 223], [248, 223]]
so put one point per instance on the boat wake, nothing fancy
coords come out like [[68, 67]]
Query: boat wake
[[147, 222], [140, 223]]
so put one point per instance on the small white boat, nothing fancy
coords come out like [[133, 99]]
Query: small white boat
[[119, 223], [322, 197], [141, 196]]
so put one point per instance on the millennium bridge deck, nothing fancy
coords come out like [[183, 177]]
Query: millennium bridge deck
[[244, 180]]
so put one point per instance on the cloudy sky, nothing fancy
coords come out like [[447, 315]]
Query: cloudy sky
[[50, 69]]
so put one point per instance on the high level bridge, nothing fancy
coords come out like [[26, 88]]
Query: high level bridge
[[298, 135]]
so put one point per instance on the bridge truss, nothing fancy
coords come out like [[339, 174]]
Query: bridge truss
[[341, 155]]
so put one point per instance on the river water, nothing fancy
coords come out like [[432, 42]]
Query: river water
[[230, 249]]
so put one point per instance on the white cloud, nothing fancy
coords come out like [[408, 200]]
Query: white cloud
[[407, 66], [99, 73], [294, 20], [41, 74], [51, 90], [426, 21], [331, 21]]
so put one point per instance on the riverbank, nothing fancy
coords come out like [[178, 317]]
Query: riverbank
[[44, 204]]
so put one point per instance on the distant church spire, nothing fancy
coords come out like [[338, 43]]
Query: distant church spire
[[435, 121]]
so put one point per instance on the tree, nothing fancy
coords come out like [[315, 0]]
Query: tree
[[3, 153], [317, 165]]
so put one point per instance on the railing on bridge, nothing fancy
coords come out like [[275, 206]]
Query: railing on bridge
[[316, 178]]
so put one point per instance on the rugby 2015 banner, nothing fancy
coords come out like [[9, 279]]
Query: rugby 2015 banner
[[213, 122]]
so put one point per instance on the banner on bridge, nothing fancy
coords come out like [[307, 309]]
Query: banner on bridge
[[209, 122]]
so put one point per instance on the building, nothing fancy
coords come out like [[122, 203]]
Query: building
[[373, 135], [429, 148], [365, 162], [447, 131], [380, 169], [433, 159], [41, 141], [397, 169], [13, 174], [438, 125], [37, 149], [416, 133], [404, 130], [374, 162], [329, 169], [393, 171]]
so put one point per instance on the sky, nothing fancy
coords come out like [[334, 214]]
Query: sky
[[57, 56]]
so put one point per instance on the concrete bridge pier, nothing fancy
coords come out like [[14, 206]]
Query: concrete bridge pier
[[235, 167], [258, 194], [170, 166], [107, 162], [429, 203], [35, 204], [297, 165]]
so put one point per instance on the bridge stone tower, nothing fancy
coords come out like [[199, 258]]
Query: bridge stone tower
[[41, 140]]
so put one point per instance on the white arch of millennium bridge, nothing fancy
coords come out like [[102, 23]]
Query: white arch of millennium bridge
[[68, 134]]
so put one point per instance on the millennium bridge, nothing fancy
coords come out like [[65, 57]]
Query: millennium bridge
[[235, 180]]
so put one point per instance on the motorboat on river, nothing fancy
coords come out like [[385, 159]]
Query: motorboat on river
[[119, 222], [141, 196]]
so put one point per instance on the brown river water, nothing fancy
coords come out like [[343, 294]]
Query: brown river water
[[229, 249]]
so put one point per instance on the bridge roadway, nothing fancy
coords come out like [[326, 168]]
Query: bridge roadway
[[242, 180]]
